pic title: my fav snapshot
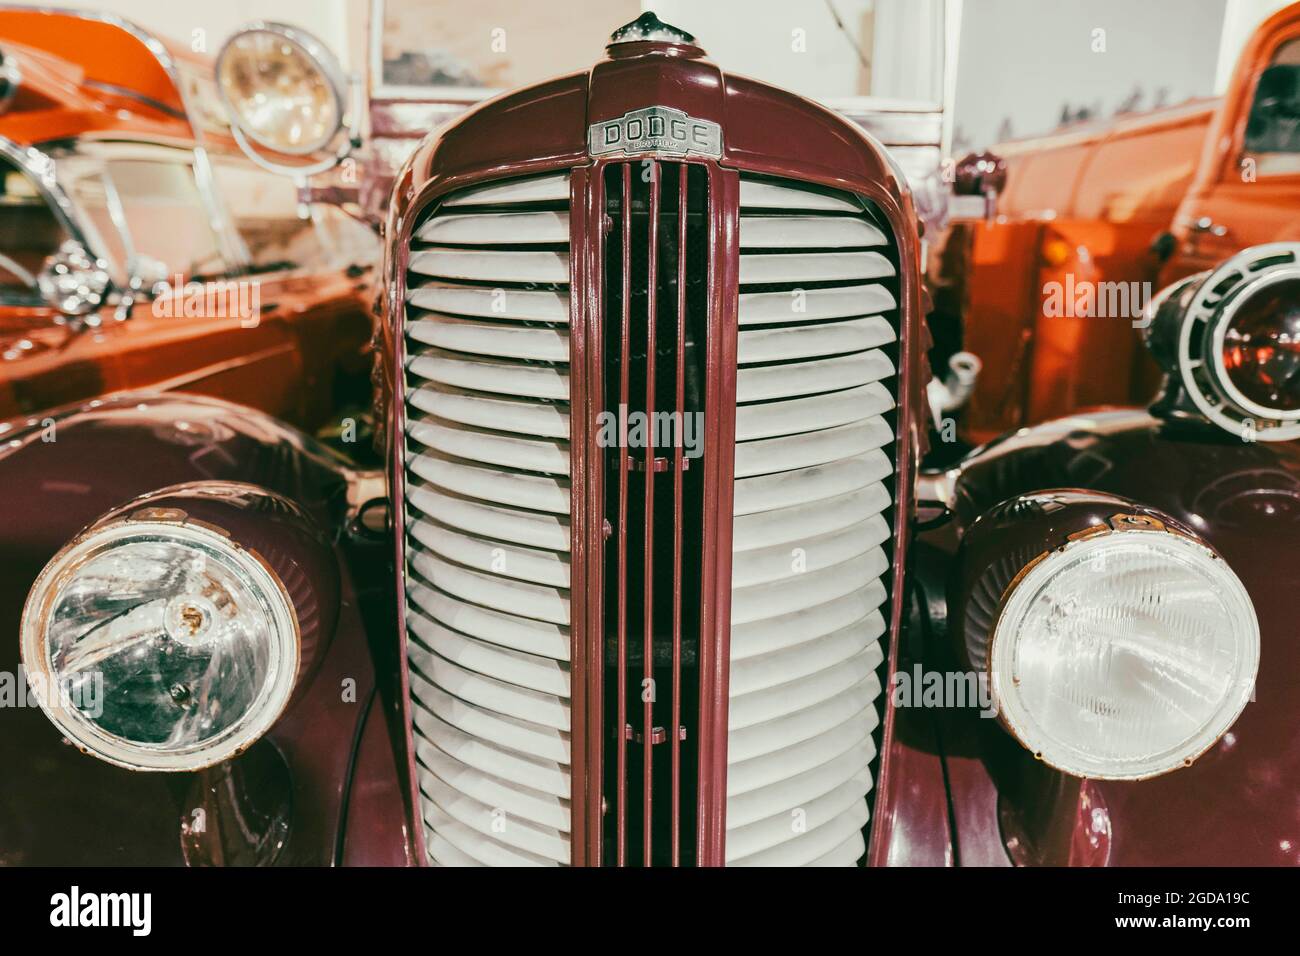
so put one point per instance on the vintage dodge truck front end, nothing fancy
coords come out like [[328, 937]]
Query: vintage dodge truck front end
[[651, 384]]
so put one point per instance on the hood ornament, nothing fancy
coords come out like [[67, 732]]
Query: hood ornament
[[649, 27]]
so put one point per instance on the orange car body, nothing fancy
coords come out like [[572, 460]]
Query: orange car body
[[1109, 213], [90, 86]]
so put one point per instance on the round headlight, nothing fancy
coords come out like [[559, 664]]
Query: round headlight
[[1238, 342], [1123, 654], [282, 87], [159, 645]]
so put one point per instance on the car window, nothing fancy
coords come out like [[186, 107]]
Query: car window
[[90, 190], [1273, 128], [29, 232], [266, 211], [165, 215]]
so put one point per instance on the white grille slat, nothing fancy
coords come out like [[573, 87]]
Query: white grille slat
[[791, 417], [807, 232], [529, 600], [766, 455], [487, 529], [508, 630], [846, 854], [762, 671], [535, 492], [501, 339], [782, 343], [783, 631], [746, 842], [474, 265], [756, 383], [505, 524], [548, 776], [779, 798], [813, 305], [813, 844], [486, 850], [545, 842], [760, 706], [550, 188], [807, 590], [531, 671], [529, 305], [549, 457], [791, 559], [543, 419], [509, 796], [789, 488], [497, 228], [538, 565], [792, 524], [485, 375], [774, 269], [769, 194], [814, 455]]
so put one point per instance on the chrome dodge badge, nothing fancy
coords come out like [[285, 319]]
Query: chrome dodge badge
[[656, 130]]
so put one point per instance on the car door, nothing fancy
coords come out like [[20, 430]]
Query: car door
[[1249, 188]]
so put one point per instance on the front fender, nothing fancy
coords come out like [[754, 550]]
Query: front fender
[[1235, 805], [59, 806]]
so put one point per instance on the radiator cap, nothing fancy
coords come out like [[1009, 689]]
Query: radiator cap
[[649, 27]]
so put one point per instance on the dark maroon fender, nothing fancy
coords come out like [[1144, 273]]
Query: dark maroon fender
[[1236, 805], [290, 791]]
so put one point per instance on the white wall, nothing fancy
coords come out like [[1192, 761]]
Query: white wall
[[217, 19], [1023, 60]]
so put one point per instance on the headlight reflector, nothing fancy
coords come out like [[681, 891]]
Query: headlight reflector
[[1124, 654], [192, 640]]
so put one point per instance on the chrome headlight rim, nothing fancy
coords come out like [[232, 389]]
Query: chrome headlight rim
[[1026, 587], [1205, 325], [318, 54], [174, 527]]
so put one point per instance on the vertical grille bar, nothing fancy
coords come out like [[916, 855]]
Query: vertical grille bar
[[679, 406], [719, 469], [586, 341], [623, 463], [647, 743]]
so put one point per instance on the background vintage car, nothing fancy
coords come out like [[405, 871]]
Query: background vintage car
[[1140, 201], [109, 137]]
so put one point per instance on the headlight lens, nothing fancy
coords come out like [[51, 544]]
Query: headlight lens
[[1261, 347], [282, 88], [160, 645], [1124, 655]]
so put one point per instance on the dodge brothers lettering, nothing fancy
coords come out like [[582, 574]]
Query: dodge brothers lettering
[[659, 130]]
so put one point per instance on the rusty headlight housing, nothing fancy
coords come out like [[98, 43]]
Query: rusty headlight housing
[[156, 642], [1121, 647]]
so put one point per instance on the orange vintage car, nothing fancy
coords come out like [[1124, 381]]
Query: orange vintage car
[[1095, 219], [140, 248]]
